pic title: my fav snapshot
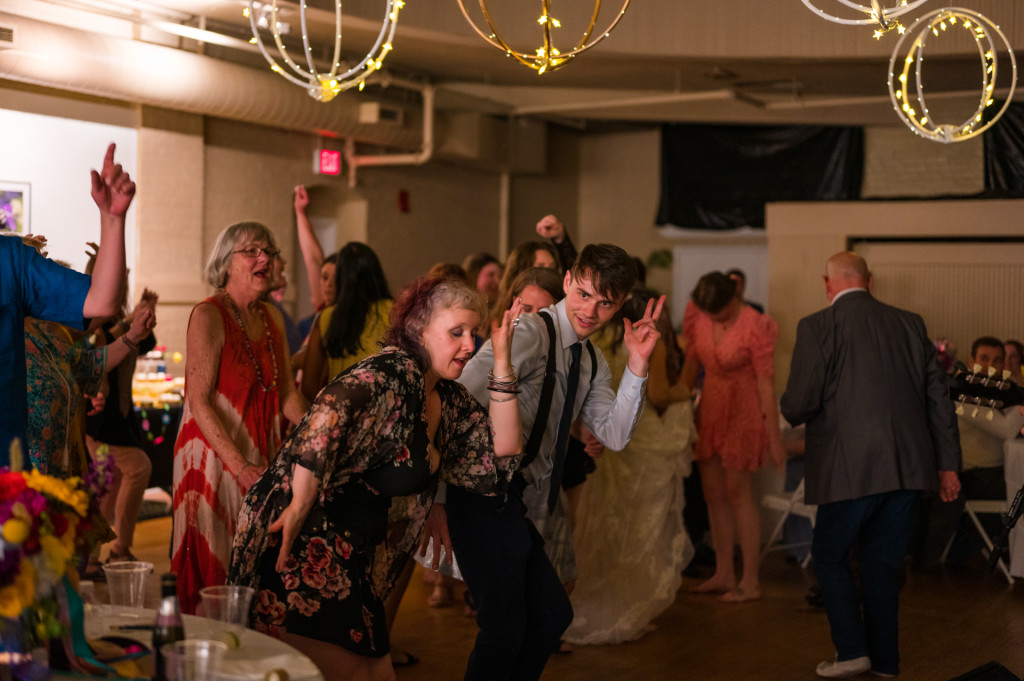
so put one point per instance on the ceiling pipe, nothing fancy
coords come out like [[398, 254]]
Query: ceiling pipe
[[418, 158], [648, 100], [69, 59]]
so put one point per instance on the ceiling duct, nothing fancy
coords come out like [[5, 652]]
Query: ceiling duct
[[64, 58]]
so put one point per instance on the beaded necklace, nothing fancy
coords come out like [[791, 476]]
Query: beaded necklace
[[248, 344]]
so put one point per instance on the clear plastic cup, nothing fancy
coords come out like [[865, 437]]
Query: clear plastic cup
[[227, 611], [193, 659], [126, 583]]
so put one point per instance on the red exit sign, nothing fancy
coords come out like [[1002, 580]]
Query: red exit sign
[[327, 162]]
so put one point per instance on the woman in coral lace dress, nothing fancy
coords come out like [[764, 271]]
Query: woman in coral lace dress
[[238, 383], [737, 421]]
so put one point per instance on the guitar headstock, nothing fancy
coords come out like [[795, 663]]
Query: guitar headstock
[[975, 390]]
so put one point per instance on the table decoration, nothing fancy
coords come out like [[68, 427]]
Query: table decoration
[[48, 527]]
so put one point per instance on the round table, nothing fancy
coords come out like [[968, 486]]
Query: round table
[[257, 654]]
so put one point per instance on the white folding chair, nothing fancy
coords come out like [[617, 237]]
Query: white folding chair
[[788, 504], [972, 507]]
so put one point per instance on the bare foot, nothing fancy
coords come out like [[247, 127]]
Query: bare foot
[[715, 585], [740, 595], [440, 597]]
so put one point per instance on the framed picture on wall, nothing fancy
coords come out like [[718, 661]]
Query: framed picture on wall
[[15, 206]]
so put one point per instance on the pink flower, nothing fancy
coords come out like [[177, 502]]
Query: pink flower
[[342, 547], [318, 554], [271, 609], [290, 581], [356, 636], [307, 608], [314, 577]]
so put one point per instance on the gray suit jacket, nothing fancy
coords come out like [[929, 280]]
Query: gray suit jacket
[[865, 380]]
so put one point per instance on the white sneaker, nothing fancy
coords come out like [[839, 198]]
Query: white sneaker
[[844, 669]]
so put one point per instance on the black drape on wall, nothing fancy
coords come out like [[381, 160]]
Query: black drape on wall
[[1004, 152], [719, 176]]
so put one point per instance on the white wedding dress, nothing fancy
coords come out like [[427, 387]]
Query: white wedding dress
[[631, 546]]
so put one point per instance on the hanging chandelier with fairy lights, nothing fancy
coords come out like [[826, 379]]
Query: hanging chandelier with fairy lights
[[548, 57], [869, 15], [905, 73], [322, 86]]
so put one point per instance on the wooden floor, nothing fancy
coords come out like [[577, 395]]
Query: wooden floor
[[951, 623]]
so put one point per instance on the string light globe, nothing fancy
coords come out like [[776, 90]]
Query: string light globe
[[909, 101], [547, 57], [874, 13], [322, 87]]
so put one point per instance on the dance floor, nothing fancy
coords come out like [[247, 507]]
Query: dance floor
[[952, 621]]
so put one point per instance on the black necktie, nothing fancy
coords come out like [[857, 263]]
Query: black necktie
[[562, 440]]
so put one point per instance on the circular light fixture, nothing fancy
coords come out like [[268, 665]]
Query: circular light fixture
[[547, 57], [322, 87], [870, 14], [909, 101]]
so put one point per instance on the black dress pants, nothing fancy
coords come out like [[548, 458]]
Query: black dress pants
[[522, 608]]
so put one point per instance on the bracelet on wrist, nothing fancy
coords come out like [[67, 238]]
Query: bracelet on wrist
[[511, 374], [131, 346], [507, 399], [509, 391]]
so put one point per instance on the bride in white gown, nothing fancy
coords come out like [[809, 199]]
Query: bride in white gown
[[631, 546]]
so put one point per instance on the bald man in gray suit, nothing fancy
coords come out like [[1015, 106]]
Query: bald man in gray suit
[[880, 428]]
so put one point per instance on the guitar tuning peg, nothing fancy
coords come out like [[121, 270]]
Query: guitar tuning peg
[[960, 409], [992, 372], [976, 369], [1006, 374], [989, 415], [974, 413]]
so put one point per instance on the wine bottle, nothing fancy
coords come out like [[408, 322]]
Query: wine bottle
[[169, 627]]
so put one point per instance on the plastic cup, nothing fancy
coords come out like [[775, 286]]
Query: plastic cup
[[193, 659], [226, 609], [126, 583]]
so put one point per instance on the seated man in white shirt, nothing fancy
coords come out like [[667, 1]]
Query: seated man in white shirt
[[981, 440]]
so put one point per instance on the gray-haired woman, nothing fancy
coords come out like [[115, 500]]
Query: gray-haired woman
[[238, 382]]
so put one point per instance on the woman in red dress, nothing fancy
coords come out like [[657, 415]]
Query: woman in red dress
[[738, 420], [238, 383]]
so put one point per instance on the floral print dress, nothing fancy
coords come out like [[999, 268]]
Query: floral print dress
[[365, 439]]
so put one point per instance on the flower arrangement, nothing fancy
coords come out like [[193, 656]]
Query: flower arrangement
[[46, 524]]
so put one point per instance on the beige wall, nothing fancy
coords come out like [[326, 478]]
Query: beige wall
[[802, 236]]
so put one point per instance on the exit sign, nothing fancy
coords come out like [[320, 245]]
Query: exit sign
[[327, 162]]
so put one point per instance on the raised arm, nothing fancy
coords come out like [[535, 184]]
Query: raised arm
[[113, 191], [550, 227], [641, 337], [312, 251], [504, 406], [143, 321]]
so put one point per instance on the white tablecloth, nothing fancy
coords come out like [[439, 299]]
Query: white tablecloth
[[256, 655]]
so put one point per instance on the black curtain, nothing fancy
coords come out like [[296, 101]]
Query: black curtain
[[719, 176], [1004, 152]]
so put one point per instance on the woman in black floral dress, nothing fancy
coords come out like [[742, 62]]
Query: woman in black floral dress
[[312, 536]]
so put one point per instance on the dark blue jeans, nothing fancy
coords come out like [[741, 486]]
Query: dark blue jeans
[[522, 608], [880, 526]]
